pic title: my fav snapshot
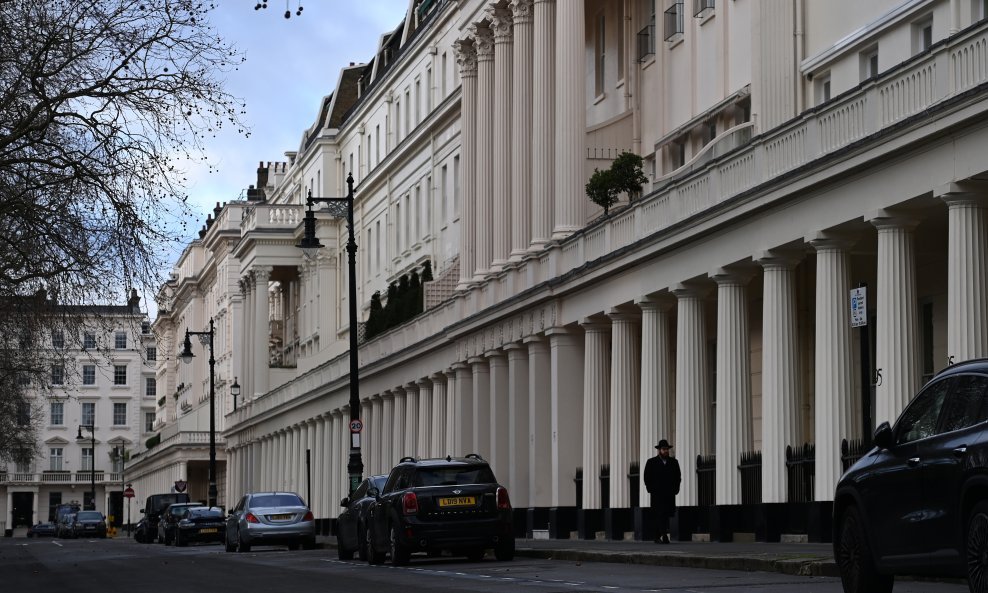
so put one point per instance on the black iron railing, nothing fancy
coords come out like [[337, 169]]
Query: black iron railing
[[706, 480], [646, 42], [673, 20], [634, 483], [578, 481], [801, 471], [750, 467], [605, 486], [851, 451]]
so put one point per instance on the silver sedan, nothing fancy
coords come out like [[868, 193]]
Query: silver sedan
[[270, 518]]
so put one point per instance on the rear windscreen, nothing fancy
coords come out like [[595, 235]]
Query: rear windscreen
[[453, 476], [89, 516], [276, 500], [167, 499]]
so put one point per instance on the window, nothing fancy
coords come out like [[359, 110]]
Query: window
[[418, 102], [117, 460], [444, 199], [428, 91], [89, 413], [398, 225], [54, 499], [24, 468], [57, 339], [377, 143], [408, 220], [377, 247], [120, 341], [89, 340], [145, 327], [57, 374], [674, 21], [600, 54], [89, 374], [456, 186], [922, 33], [87, 458], [646, 37], [397, 121], [869, 63], [23, 414], [822, 88], [152, 353], [408, 111], [920, 418], [150, 387], [702, 8], [119, 374], [119, 414], [620, 43], [965, 405], [57, 413], [88, 501], [445, 69], [148, 421], [418, 212], [55, 459]]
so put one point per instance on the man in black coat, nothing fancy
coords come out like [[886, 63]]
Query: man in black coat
[[662, 479]]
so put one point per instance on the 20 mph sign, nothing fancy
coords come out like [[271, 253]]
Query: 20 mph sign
[[356, 426]]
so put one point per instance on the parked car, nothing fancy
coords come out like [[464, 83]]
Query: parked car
[[431, 505], [42, 530], [147, 528], [64, 527], [917, 503], [200, 524], [167, 523], [351, 527], [270, 518], [89, 524]]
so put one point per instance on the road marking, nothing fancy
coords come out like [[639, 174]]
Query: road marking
[[56, 543]]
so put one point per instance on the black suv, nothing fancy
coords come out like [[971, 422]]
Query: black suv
[[918, 502], [432, 505]]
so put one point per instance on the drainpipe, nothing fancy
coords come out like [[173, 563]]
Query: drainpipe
[[798, 43]]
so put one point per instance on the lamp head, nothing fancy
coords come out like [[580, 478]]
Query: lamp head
[[79, 435], [309, 244], [186, 354], [235, 388]]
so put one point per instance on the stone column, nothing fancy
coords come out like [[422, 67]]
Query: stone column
[[376, 436], [543, 122], [566, 391], [897, 307], [338, 449], [481, 421], [540, 458], [484, 42], [388, 456], [521, 129], [320, 470], [517, 424], [398, 434], [425, 418], [312, 473], [499, 423], [437, 440], [261, 331], [463, 409], [366, 440], [501, 221], [571, 117], [967, 274], [833, 384], [596, 406], [411, 419], [733, 432], [466, 58], [625, 414], [247, 337], [692, 389], [781, 379], [657, 393]]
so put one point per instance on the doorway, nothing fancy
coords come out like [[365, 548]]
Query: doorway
[[22, 511]]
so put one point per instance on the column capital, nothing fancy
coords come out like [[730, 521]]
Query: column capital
[[501, 23], [521, 11], [661, 302], [423, 382], [438, 377], [477, 361], [617, 314], [775, 259], [262, 273], [495, 354], [483, 41], [732, 276], [595, 324], [962, 192], [466, 57], [887, 219], [689, 291]]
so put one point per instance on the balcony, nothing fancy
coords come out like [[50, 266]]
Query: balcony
[[59, 477], [702, 8], [284, 217], [674, 22], [646, 43]]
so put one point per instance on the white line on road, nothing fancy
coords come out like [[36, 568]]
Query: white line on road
[[57, 544]]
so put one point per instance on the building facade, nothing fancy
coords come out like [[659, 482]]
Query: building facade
[[93, 413], [794, 150]]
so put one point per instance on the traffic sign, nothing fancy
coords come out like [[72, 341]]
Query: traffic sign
[[128, 492], [356, 425], [859, 306]]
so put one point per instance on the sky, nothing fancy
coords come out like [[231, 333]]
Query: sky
[[291, 64]]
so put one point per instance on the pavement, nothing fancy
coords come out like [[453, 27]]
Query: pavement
[[804, 559]]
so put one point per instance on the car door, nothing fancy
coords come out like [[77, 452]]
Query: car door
[[233, 521], [893, 489], [348, 518], [946, 460], [397, 481]]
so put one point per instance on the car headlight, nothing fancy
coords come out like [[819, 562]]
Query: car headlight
[[184, 523]]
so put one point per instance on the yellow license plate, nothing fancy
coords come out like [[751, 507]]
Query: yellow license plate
[[279, 517], [210, 530], [457, 501]]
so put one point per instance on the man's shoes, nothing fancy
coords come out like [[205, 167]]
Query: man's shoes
[[665, 539]]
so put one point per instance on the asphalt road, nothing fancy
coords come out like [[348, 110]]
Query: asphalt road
[[124, 566]]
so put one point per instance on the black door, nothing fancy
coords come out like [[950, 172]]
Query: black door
[[947, 457], [116, 509], [22, 511]]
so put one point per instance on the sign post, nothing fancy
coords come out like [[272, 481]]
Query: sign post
[[859, 319]]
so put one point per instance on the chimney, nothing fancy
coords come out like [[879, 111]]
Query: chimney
[[134, 301]]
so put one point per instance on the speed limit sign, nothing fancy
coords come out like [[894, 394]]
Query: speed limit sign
[[356, 426]]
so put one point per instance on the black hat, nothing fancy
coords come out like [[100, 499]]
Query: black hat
[[663, 444]]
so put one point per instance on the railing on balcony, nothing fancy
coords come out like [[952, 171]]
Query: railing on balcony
[[702, 7], [706, 480], [673, 21], [750, 468], [646, 42], [801, 470], [56, 476]]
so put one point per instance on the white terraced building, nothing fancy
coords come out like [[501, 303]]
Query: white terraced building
[[794, 149]]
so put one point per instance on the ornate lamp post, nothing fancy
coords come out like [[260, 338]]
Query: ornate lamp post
[[342, 207], [92, 466], [235, 392], [186, 355]]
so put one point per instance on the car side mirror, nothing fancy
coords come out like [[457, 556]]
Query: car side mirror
[[883, 436], [373, 492], [345, 502], [142, 511]]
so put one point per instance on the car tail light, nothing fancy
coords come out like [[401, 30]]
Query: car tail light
[[251, 518], [410, 503], [503, 502], [308, 516]]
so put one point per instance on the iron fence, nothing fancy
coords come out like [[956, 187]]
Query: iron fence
[[750, 467], [706, 480], [605, 486], [578, 481], [634, 484], [801, 471], [851, 451]]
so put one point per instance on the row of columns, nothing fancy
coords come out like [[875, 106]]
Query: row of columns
[[523, 151]]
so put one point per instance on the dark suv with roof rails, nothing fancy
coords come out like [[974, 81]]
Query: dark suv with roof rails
[[431, 505], [917, 503]]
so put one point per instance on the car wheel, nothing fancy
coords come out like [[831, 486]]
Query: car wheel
[[230, 546], [179, 542], [475, 554], [292, 547], [976, 548], [309, 544], [854, 558], [505, 550], [343, 553], [242, 546], [399, 553], [373, 556]]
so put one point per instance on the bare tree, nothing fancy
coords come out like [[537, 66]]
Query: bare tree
[[103, 106]]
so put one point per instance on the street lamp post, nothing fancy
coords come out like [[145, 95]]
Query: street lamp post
[[342, 207], [235, 392], [92, 466], [186, 355]]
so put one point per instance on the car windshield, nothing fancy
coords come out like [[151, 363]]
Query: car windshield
[[205, 512], [276, 500], [378, 482], [89, 516], [453, 475]]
